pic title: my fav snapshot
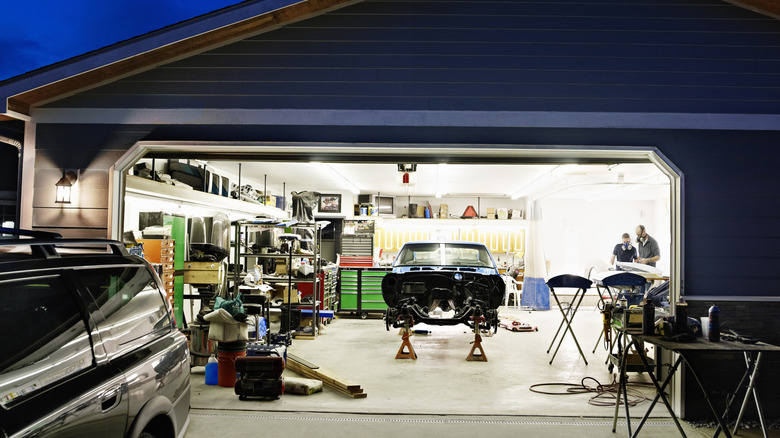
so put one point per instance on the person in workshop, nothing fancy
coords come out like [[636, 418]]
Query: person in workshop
[[649, 253], [623, 252]]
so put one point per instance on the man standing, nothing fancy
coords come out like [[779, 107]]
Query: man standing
[[649, 253], [624, 252]]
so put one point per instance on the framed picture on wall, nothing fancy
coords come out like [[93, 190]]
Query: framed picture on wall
[[330, 204]]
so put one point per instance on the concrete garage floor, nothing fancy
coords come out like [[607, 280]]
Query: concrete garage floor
[[440, 393]]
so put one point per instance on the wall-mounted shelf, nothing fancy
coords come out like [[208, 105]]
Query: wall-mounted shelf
[[143, 187]]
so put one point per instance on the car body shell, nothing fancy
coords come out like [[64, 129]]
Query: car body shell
[[468, 287]]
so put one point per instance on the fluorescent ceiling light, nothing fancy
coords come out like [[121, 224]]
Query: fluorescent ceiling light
[[345, 182]]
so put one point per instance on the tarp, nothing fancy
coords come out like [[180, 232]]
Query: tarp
[[536, 294]]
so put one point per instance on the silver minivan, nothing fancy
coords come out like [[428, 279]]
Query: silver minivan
[[89, 345]]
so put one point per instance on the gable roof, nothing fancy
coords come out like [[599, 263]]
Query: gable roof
[[178, 41], [19, 94]]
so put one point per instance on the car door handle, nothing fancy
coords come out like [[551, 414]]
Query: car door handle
[[110, 399]]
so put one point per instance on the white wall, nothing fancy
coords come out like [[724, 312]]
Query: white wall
[[579, 235]]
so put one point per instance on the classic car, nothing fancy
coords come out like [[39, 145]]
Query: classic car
[[443, 283]]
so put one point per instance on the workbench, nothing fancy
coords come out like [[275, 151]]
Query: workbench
[[753, 354]]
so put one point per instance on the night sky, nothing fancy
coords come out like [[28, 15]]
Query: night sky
[[37, 33]]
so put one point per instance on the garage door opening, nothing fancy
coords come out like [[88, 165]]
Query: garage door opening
[[588, 196]]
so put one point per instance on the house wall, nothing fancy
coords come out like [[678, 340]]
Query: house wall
[[696, 79]]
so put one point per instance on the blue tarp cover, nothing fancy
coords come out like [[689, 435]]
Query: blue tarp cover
[[536, 294]]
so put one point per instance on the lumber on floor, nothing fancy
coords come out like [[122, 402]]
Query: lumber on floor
[[311, 371]]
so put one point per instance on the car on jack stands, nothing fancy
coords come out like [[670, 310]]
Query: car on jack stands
[[90, 347], [460, 278]]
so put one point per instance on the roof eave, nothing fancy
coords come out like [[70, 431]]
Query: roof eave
[[18, 95], [766, 7]]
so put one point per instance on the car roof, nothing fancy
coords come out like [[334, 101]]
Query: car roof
[[28, 246], [448, 242]]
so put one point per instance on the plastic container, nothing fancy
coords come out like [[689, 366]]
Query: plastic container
[[212, 371], [227, 352], [714, 334]]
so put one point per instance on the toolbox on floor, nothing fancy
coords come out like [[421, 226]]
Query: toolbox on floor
[[259, 376]]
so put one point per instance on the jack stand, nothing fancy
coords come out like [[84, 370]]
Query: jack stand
[[406, 343], [477, 342]]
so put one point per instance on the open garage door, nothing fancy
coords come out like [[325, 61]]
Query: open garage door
[[590, 196]]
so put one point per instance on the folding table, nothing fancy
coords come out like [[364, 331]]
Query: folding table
[[568, 281], [683, 350]]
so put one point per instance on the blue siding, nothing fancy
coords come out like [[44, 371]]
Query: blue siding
[[645, 56], [695, 56]]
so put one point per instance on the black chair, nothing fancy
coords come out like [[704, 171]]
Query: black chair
[[568, 281]]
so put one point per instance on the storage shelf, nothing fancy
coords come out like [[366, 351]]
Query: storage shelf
[[284, 279], [277, 256], [157, 190]]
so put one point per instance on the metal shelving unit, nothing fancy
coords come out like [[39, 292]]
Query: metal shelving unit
[[243, 228]]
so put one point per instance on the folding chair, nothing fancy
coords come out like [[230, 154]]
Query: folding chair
[[572, 282]]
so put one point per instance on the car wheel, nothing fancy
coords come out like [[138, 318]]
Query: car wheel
[[363, 315]]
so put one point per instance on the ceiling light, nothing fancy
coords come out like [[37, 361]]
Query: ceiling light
[[346, 182]]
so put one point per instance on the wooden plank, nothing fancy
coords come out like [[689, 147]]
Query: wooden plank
[[328, 378]]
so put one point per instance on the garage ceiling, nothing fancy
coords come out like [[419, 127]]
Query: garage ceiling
[[637, 181]]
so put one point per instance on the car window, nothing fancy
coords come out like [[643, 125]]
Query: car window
[[45, 338], [420, 254], [467, 256], [132, 305], [430, 254]]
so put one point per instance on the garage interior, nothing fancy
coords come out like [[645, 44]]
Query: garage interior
[[587, 203]]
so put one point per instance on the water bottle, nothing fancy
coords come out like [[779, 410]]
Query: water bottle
[[714, 323], [212, 374]]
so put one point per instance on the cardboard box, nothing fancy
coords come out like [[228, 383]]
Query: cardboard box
[[281, 267], [420, 211], [444, 211], [491, 213], [280, 291]]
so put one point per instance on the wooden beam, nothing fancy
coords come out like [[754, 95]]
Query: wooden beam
[[328, 379], [766, 7], [22, 102]]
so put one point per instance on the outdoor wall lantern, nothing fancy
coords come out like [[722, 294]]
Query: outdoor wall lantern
[[65, 186]]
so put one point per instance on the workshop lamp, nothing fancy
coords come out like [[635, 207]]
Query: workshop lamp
[[65, 187]]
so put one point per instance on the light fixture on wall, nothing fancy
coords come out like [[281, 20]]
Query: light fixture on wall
[[65, 186]]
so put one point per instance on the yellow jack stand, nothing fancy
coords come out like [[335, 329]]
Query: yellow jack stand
[[410, 354], [477, 343]]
